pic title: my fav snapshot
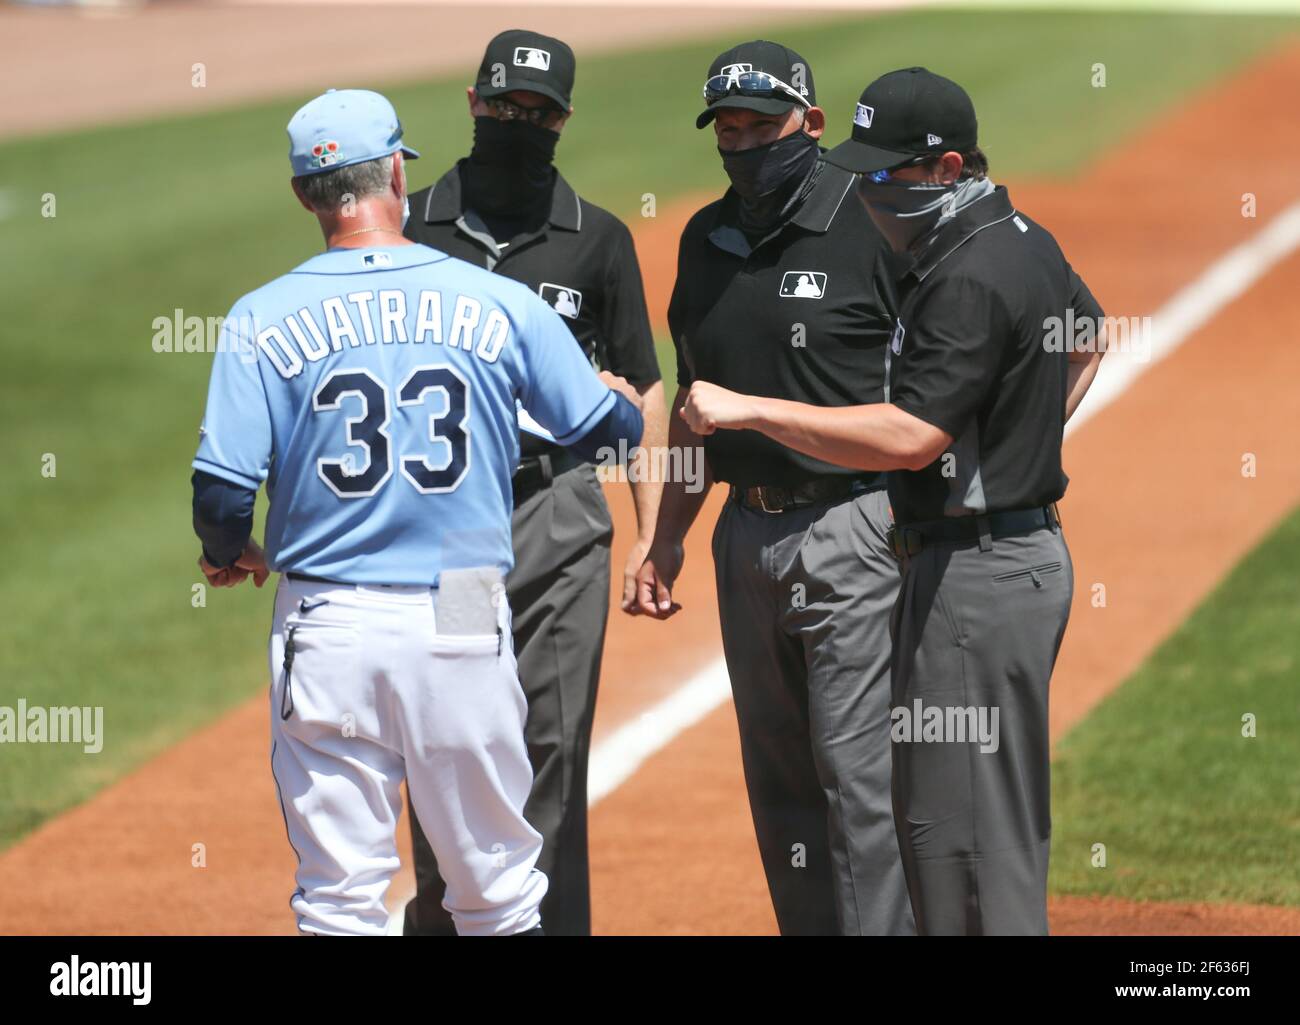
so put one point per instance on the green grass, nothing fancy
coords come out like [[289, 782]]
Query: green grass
[[1188, 807], [191, 212]]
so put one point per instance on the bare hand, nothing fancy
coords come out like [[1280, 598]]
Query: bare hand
[[227, 576], [620, 385], [252, 560], [655, 579], [709, 408], [630, 568]]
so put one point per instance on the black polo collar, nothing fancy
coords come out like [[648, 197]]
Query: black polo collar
[[818, 210], [444, 201], [991, 209], [815, 214]]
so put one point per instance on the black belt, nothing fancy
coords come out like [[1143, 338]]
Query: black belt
[[537, 472], [909, 539], [307, 578], [818, 491]]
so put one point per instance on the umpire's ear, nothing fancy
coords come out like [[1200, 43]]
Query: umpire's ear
[[301, 198], [477, 107], [814, 121]]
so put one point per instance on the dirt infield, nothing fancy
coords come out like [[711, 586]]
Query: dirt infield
[[1158, 511]]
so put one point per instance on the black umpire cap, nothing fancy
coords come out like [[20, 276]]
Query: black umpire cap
[[906, 114], [776, 60], [519, 59]]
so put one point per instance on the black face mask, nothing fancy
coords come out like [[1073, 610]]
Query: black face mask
[[509, 169], [760, 172]]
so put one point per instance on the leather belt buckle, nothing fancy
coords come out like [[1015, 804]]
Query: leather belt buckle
[[763, 494]]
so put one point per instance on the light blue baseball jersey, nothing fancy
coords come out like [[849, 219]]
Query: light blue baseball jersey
[[374, 391]]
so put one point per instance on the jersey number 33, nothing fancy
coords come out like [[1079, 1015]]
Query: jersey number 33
[[435, 471]]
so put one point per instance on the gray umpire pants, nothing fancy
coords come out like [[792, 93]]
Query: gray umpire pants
[[805, 599], [978, 626], [559, 596]]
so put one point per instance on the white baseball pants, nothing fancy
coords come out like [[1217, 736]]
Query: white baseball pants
[[372, 694]]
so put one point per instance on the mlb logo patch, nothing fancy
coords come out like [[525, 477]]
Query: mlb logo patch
[[864, 115], [896, 343], [325, 153], [562, 299], [532, 57], [377, 260], [732, 70], [803, 284]]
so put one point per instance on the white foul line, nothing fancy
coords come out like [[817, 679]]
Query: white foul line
[[1193, 306], [617, 758]]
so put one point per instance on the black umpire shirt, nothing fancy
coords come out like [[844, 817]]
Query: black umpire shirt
[[580, 260], [806, 315], [973, 354]]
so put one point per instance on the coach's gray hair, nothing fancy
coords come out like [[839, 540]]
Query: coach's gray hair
[[329, 190]]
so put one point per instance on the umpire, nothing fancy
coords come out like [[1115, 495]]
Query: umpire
[[784, 289], [505, 207], [973, 427]]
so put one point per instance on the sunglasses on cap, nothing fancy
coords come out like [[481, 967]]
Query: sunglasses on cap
[[886, 175], [757, 84]]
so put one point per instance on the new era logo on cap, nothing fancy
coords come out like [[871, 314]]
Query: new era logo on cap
[[532, 57], [907, 113]]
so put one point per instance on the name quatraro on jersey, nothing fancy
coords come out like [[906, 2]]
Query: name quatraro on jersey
[[382, 318]]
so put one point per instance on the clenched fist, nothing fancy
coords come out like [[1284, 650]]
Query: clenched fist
[[251, 561], [709, 407]]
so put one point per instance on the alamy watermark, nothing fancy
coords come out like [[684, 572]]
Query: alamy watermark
[[658, 465], [946, 724], [58, 724], [179, 332], [77, 978], [1096, 334]]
